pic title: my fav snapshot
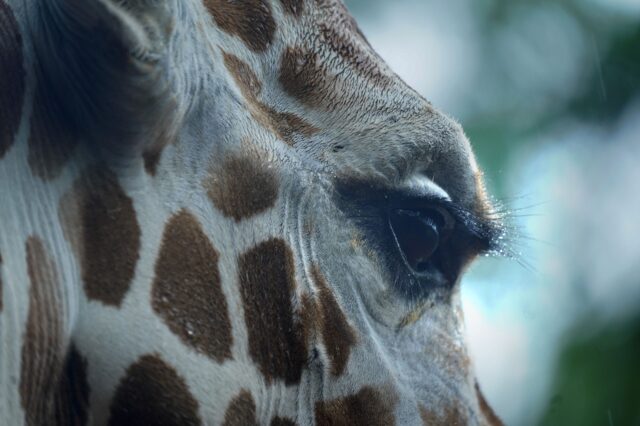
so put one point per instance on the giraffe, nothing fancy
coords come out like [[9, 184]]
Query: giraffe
[[227, 212]]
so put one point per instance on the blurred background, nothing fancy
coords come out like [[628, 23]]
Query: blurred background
[[548, 91]]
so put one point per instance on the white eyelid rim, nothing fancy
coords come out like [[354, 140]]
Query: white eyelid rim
[[424, 185]]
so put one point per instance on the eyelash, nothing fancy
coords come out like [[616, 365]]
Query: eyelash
[[484, 236], [487, 233], [364, 202]]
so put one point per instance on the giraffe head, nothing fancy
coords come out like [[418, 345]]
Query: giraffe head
[[265, 150]]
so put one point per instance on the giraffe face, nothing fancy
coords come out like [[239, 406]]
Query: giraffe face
[[289, 219], [373, 196]]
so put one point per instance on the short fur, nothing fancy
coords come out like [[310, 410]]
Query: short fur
[[176, 244]]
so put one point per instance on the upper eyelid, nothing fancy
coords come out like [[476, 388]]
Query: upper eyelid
[[486, 231], [360, 200], [425, 187], [363, 195], [478, 227]]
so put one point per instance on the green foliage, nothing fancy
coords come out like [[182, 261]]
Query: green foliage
[[615, 83], [598, 378]]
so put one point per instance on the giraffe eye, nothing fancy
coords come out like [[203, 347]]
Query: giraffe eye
[[418, 235]]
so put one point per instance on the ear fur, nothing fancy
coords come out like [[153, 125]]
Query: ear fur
[[105, 65]]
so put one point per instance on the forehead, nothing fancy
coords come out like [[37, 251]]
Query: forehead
[[306, 73]]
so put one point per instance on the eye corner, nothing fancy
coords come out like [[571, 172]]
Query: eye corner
[[485, 233]]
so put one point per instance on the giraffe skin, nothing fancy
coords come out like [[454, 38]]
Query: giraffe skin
[[190, 221]]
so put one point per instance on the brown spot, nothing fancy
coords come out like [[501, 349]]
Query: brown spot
[[281, 421], [451, 354], [284, 125], [312, 75], [247, 80], [302, 77], [453, 415], [361, 60], [100, 222], [43, 340], [293, 7], [414, 315], [309, 317], [152, 393], [241, 410], [12, 77], [337, 12], [339, 16], [251, 20], [337, 334], [72, 400], [428, 417], [50, 142], [368, 407], [490, 416], [242, 188], [151, 158], [186, 290], [152, 154], [267, 285]]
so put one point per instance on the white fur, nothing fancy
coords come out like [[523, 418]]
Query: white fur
[[188, 86]]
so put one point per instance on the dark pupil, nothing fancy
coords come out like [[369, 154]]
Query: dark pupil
[[417, 234]]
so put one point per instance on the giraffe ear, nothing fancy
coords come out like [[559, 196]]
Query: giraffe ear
[[105, 65]]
